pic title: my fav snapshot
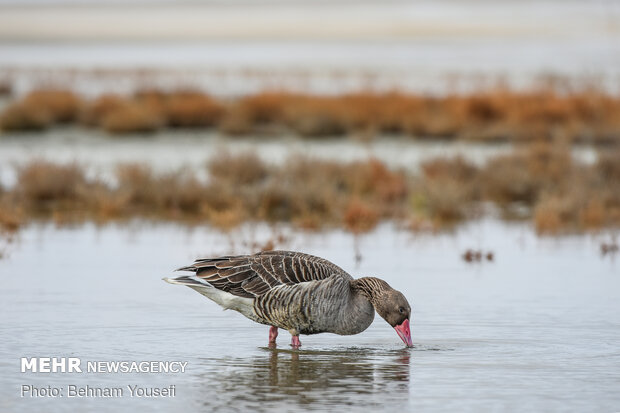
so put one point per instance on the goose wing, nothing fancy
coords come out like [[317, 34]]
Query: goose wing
[[254, 275]]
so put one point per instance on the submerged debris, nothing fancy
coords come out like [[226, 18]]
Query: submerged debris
[[609, 248], [471, 255]]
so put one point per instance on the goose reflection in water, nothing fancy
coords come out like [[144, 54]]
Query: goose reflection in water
[[307, 379]]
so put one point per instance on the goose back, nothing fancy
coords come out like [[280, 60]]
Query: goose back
[[254, 275]]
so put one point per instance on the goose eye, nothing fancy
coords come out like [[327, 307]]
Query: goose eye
[[401, 310]]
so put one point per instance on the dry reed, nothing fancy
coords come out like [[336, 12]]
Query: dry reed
[[556, 192], [541, 115]]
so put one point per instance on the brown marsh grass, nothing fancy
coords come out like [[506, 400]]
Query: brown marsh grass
[[20, 117], [43, 182], [446, 190], [360, 217], [557, 193], [92, 113], [256, 113], [130, 117], [10, 216], [62, 105], [6, 87], [41, 109], [541, 115], [188, 109], [238, 170]]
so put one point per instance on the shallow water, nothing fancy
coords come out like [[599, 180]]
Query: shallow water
[[238, 47], [169, 151], [536, 329]]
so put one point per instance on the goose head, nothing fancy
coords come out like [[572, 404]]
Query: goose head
[[394, 308]]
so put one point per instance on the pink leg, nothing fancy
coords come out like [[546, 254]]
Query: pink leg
[[295, 343], [273, 333]]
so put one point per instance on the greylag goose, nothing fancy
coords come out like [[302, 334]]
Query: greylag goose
[[297, 292]]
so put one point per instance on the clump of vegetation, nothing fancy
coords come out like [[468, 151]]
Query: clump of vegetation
[[315, 116], [560, 193], [6, 88], [10, 216], [265, 107], [360, 217], [174, 194], [130, 117], [192, 110], [43, 182], [525, 174], [94, 112], [62, 105], [555, 192], [541, 115], [239, 170], [447, 190], [41, 109], [20, 117]]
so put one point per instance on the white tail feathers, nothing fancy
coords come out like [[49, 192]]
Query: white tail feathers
[[184, 280], [226, 300]]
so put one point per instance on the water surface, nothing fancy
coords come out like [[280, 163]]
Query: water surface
[[535, 329], [239, 47], [168, 151]]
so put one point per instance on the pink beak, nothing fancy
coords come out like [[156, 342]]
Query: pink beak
[[404, 333]]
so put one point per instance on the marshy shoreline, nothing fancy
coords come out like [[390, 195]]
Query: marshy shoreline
[[540, 182]]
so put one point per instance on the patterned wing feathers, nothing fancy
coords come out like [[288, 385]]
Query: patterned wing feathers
[[254, 275]]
